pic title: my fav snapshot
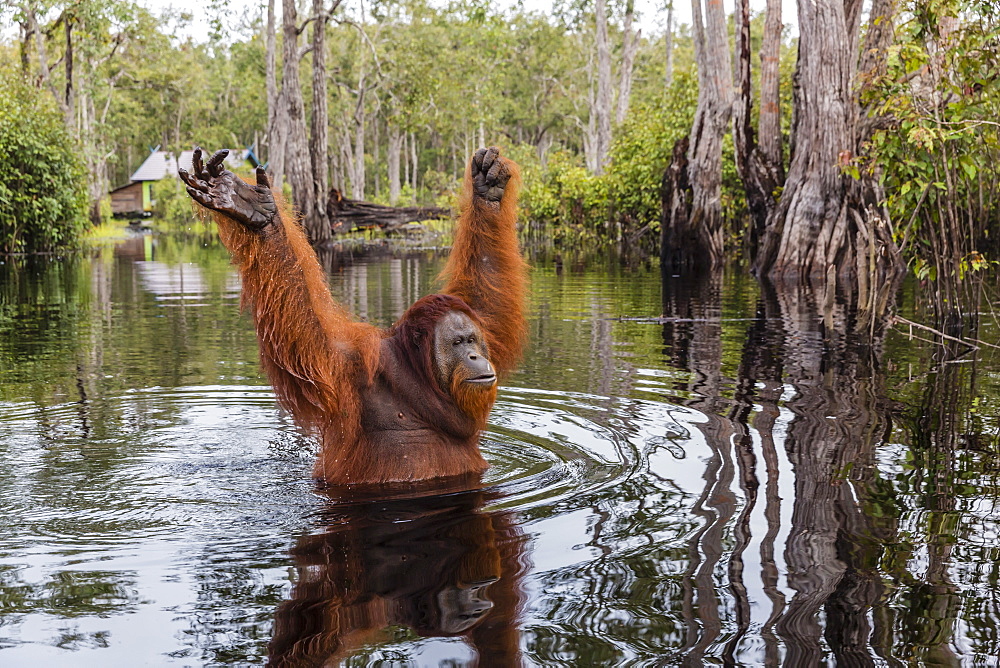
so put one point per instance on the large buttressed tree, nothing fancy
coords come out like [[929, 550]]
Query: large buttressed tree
[[830, 220]]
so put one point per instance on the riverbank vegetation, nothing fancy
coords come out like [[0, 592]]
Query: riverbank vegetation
[[385, 102]]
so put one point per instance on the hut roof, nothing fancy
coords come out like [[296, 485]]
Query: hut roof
[[161, 164]]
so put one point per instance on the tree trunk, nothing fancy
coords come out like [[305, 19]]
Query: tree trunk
[[69, 104], [297, 160], [320, 225], [602, 106], [760, 176], [358, 172], [675, 198], [826, 218], [700, 227], [669, 39], [413, 169], [395, 145], [276, 131], [376, 158], [24, 45], [347, 215], [769, 126], [630, 43]]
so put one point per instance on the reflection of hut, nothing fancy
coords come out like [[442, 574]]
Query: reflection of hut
[[180, 282], [135, 198]]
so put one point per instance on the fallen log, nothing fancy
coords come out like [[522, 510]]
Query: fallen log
[[347, 215]]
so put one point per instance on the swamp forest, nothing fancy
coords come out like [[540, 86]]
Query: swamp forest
[[757, 420]]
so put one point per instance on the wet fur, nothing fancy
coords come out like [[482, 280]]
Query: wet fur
[[321, 362], [495, 289]]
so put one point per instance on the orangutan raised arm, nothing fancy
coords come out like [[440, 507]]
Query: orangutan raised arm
[[485, 268], [310, 347], [396, 405]]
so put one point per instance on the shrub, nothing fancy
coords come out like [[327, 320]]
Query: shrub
[[43, 193]]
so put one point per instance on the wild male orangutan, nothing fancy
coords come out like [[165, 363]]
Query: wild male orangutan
[[396, 405]]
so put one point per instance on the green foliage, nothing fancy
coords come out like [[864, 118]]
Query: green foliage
[[939, 157], [562, 199], [173, 208], [43, 197], [570, 203], [641, 151]]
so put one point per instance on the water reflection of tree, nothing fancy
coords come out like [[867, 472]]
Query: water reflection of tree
[[839, 417], [836, 418], [692, 334]]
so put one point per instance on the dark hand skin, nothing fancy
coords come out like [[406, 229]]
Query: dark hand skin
[[215, 187], [489, 174]]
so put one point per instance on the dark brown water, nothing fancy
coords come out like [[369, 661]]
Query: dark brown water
[[731, 483]]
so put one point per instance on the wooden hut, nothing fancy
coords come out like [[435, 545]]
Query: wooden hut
[[135, 198]]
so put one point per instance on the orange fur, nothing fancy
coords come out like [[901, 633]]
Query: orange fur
[[474, 401], [496, 288], [321, 362], [371, 568], [310, 347]]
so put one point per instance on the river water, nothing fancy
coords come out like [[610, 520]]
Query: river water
[[684, 472]]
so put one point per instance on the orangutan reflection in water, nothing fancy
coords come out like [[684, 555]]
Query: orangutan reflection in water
[[439, 565]]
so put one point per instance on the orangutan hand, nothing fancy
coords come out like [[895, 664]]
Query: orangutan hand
[[489, 174], [215, 187]]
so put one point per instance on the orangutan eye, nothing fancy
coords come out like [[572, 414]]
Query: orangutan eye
[[457, 342]]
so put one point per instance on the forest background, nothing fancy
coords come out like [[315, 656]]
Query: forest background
[[385, 101]]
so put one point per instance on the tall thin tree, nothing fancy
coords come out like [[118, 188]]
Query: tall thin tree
[[693, 235], [630, 44], [601, 111]]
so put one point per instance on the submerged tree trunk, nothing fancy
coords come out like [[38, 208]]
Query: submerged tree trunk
[[319, 225], [630, 43], [831, 221], [701, 226]]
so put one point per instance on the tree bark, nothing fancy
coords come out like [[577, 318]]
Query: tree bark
[[276, 131], [700, 227], [769, 127], [413, 169], [297, 159], [675, 198], [630, 43], [392, 159], [69, 104], [602, 106], [358, 179], [830, 226], [319, 144], [761, 177]]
